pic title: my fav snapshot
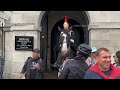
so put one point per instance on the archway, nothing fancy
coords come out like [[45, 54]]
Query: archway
[[49, 23]]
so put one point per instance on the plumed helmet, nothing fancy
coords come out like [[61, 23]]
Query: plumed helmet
[[66, 23], [84, 49]]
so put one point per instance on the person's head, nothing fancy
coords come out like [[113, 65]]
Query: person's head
[[117, 57], [35, 53], [94, 50], [103, 57], [84, 51]]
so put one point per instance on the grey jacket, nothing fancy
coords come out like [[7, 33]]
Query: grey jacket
[[27, 66]]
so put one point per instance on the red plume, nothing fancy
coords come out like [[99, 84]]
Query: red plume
[[66, 21]]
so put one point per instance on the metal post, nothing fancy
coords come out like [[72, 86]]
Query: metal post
[[2, 52], [2, 39], [3, 48]]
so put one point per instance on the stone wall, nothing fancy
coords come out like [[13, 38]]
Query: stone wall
[[22, 24], [105, 37], [14, 59]]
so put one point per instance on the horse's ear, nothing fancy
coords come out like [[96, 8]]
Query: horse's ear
[[59, 29], [71, 27]]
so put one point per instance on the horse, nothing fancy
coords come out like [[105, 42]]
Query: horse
[[66, 46]]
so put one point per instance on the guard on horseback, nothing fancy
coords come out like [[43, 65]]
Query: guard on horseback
[[66, 47]]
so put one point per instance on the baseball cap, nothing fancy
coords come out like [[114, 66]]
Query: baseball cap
[[36, 50]]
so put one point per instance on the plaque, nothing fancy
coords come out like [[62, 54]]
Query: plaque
[[24, 43]]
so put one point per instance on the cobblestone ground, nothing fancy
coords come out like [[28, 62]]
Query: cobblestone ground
[[50, 75]]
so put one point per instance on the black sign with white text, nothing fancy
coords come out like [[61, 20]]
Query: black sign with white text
[[24, 43]]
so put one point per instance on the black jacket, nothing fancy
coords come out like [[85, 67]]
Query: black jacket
[[27, 66], [73, 69]]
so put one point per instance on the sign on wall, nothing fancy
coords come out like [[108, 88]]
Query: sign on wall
[[24, 42]]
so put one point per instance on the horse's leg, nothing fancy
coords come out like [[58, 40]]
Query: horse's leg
[[54, 56], [54, 50], [71, 53], [59, 59]]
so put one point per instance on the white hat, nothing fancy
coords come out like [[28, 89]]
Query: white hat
[[94, 49]]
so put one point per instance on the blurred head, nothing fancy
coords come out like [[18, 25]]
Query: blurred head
[[117, 57], [103, 57], [93, 54], [35, 53]]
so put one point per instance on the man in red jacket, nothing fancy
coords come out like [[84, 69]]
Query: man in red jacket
[[103, 69]]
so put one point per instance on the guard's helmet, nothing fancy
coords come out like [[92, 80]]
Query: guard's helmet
[[84, 49], [66, 23]]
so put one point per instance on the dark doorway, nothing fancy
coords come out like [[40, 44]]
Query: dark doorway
[[49, 34]]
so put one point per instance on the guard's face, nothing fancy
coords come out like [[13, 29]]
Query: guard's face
[[35, 55], [104, 60]]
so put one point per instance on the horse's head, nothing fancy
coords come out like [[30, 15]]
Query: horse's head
[[65, 39]]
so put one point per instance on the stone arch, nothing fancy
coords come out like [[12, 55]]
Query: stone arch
[[46, 24]]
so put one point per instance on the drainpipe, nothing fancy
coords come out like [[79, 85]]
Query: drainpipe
[[3, 48], [3, 45], [1, 57], [2, 53], [1, 39]]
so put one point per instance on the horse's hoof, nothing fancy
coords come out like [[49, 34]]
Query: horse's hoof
[[55, 65]]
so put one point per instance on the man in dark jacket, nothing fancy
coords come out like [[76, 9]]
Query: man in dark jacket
[[33, 67], [76, 68]]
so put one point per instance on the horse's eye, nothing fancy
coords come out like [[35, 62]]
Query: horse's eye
[[61, 33]]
